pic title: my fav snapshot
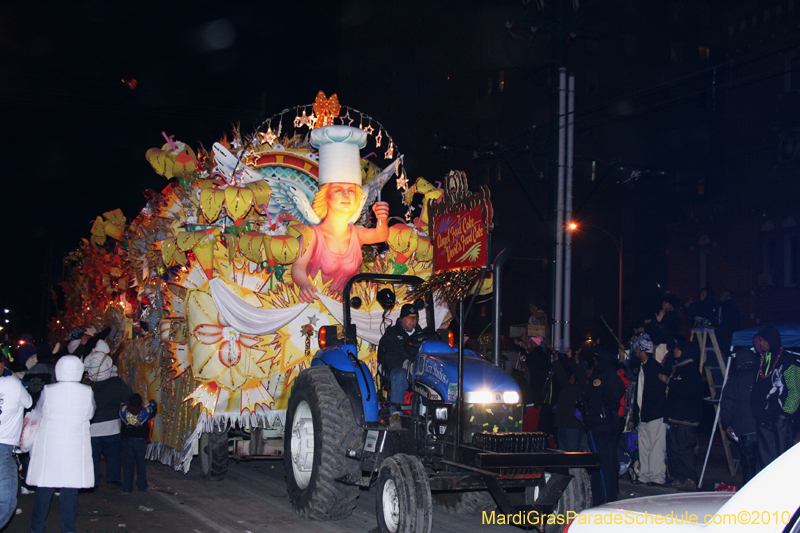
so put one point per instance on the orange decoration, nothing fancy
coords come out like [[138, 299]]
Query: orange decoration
[[326, 109]]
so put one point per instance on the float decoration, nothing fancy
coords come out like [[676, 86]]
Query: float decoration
[[199, 288]]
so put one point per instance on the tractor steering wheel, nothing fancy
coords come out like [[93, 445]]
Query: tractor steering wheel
[[425, 335]]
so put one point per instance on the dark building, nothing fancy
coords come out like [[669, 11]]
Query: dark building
[[739, 232], [471, 88]]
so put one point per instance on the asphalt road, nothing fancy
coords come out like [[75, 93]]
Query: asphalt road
[[252, 499]]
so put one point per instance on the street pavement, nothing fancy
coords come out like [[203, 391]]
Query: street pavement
[[252, 499]]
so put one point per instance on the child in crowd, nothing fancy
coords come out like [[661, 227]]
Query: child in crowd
[[135, 433]]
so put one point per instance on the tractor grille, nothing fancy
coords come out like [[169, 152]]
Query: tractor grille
[[532, 442]]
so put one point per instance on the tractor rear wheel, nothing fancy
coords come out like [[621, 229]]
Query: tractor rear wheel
[[213, 452], [468, 503]]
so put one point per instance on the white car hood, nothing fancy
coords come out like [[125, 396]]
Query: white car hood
[[766, 504], [679, 503]]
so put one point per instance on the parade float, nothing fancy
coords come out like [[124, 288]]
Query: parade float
[[216, 290]]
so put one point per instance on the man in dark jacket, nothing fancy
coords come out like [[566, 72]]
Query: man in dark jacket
[[667, 321], [775, 396], [735, 412], [602, 392], [569, 429], [396, 350], [649, 403], [684, 413]]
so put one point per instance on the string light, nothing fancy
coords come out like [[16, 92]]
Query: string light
[[378, 139], [402, 182], [349, 119]]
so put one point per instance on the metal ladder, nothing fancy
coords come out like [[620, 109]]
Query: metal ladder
[[714, 369]]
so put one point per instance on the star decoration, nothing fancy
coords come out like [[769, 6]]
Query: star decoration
[[378, 139], [402, 181], [305, 120], [348, 118], [313, 320], [312, 121], [389, 151], [268, 137], [369, 129]]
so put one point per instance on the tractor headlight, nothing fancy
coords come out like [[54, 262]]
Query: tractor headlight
[[486, 396], [482, 396], [510, 396], [441, 413]]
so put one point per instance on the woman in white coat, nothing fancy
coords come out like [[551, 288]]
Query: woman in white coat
[[61, 458]]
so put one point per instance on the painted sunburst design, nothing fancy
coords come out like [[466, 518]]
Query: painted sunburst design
[[218, 351]]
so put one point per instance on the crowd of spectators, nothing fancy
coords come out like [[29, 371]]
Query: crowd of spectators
[[642, 405], [72, 393]]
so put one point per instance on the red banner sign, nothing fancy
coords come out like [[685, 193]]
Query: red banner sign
[[459, 240]]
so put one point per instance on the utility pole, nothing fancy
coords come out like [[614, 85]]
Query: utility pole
[[559, 229], [568, 209]]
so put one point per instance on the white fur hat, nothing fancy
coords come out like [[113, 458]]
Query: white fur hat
[[339, 153]]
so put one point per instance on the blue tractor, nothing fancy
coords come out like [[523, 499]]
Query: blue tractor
[[464, 449]]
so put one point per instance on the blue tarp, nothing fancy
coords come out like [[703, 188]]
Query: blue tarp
[[790, 336]]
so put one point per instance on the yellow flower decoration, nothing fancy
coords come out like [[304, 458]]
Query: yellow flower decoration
[[219, 353]]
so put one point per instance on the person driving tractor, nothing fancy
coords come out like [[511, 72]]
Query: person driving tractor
[[395, 353]]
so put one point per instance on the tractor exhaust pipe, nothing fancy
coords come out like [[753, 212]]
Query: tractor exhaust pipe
[[497, 268]]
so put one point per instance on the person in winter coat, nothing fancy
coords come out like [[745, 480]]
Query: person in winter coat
[[703, 312], [775, 396], [109, 391], [735, 413], [667, 321], [569, 430], [396, 352], [14, 399], [135, 433], [61, 457], [649, 404], [684, 414], [602, 392], [42, 372]]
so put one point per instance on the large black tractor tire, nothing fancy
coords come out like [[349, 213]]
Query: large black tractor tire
[[403, 500], [466, 503], [575, 498], [213, 452], [320, 428]]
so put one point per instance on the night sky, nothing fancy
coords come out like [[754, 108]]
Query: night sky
[[75, 135]]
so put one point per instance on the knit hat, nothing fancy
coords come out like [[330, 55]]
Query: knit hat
[[99, 366], [408, 310]]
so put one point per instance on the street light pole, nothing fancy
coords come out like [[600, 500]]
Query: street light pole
[[618, 245]]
